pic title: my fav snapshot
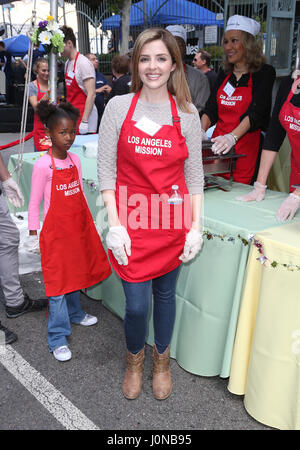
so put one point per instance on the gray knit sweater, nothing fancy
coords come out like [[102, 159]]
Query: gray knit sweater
[[110, 127]]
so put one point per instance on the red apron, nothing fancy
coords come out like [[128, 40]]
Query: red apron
[[230, 109], [75, 94], [147, 167], [39, 138], [72, 255], [289, 117]]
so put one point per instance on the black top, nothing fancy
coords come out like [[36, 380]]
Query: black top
[[276, 133], [212, 78], [120, 86], [5, 57], [99, 100], [260, 107]]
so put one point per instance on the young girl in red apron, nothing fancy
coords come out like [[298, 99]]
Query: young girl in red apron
[[147, 244], [72, 255]]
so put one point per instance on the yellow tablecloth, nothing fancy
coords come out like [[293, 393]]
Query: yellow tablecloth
[[266, 357]]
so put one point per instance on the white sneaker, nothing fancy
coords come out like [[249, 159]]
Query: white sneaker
[[62, 353], [88, 320]]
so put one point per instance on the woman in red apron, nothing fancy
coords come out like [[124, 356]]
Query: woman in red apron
[[285, 120], [72, 255], [41, 69], [152, 228], [241, 102]]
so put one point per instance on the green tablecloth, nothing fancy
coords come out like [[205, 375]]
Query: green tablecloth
[[209, 288]]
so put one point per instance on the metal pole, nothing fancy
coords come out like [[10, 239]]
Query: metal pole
[[64, 13], [4, 22], [97, 48], [145, 12], [53, 58]]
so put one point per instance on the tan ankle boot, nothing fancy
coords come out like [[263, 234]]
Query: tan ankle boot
[[132, 383], [162, 381]]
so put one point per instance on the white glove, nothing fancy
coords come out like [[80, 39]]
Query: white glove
[[288, 208], [192, 246], [13, 192], [118, 241], [257, 194], [32, 244], [222, 144], [83, 128]]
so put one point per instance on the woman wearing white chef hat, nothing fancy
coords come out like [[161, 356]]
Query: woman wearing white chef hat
[[240, 103]]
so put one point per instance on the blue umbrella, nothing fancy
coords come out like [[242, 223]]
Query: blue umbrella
[[162, 12], [18, 45]]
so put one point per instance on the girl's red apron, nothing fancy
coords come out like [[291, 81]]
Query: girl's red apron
[[289, 117], [72, 255], [230, 109], [75, 94], [147, 167], [39, 138]]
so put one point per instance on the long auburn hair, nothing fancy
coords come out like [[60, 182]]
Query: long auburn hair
[[253, 54], [177, 84]]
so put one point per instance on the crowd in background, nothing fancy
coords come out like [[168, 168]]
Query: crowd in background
[[116, 82]]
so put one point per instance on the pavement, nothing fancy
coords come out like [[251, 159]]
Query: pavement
[[39, 393]]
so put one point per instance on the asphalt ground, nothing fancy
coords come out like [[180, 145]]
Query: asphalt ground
[[92, 380]]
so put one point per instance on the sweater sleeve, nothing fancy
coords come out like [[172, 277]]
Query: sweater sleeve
[[38, 184], [193, 167], [107, 148]]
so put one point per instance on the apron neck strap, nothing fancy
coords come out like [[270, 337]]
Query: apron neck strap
[[75, 61], [52, 159], [293, 89], [132, 106], [77, 54], [175, 117], [295, 85]]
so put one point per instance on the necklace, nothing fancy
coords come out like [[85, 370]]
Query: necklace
[[236, 70]]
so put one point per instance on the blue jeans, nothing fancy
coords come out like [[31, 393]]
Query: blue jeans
[[138, 298], [63, 310]]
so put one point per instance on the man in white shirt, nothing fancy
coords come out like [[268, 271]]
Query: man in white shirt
[[80, 83]]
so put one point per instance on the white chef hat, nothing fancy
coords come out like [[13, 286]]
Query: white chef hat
[[177, 30], [244, 24]]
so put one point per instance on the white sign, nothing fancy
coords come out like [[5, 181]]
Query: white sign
[[211, 34]]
